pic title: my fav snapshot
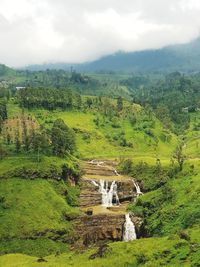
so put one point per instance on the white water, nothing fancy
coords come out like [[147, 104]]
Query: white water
[[137, 187], [115, 171], [96, 162], [108, 194], [95, 183], [129, 229]]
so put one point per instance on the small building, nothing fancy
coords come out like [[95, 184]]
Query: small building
[[20, 87]]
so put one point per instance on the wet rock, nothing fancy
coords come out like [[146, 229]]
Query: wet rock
[[91, 229], [95, 228], [89, 212], [98, 169], [90, 195]]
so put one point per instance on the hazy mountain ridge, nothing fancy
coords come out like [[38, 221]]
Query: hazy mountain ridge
[[182, 57]]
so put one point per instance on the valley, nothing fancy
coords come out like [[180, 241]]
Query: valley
[[100, 180]]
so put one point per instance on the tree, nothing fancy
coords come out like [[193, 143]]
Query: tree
[[40, 143], [3, 152], [179, 156], [78, 101], [119, 103], [17, 144], [1, 124], [3, 110], [89, 102], [62, 138]]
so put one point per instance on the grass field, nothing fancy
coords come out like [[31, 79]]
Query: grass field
[[149, 252], [168, 209], [104, 141]]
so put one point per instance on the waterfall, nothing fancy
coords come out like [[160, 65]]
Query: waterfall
[[108, 194], [95, 183], [103, 189], [137, 187], [115, 171], [96, 162], [129, 229]]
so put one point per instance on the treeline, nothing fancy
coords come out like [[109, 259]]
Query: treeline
[[48, 98], [55, 79], [51, 99], [3, 113], [172, 99], [58, 141]]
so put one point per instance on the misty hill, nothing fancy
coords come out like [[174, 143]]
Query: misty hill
[[182, 57], [6, 71]]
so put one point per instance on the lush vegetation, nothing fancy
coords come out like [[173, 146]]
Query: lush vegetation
[[167, 251], [150, 123]]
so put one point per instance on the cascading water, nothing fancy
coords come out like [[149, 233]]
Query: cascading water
[[95, 183], [137, 187], [129, 229], [108, 194], [103, 189], [116, 173]]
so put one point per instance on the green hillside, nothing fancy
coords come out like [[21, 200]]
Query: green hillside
[[47, 134], [170, 251]]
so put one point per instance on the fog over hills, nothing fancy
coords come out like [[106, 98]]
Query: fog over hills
[[182, 57]]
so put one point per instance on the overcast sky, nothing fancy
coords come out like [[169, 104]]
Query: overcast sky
[[38, 31]]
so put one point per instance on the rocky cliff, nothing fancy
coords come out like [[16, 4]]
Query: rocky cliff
[[92, 229], [90, 195]]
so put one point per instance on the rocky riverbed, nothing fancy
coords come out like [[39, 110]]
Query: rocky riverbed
[[101, 222]]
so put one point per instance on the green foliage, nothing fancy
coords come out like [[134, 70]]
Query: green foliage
[[3, 110], [25, 202], [144, 252], [172, 98], [119, 103], [47, 98], [179, 156], [172, 207], [151, 176], [63, 139], [103, 127], [39, 247]]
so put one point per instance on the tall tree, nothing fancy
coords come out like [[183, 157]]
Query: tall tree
[[119, 103], [179, 156], [62, 138]]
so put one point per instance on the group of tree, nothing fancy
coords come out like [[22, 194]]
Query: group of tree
[[58, 141], [48, 98], [172, 99], [3, 113], [55, 78]]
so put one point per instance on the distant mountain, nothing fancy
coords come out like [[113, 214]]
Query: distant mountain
[[183, 57]]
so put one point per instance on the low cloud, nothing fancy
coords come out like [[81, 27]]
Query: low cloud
[[35, 31]]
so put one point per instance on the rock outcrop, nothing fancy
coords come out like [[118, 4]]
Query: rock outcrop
[[107, 224], [92, 229], [90, 195]]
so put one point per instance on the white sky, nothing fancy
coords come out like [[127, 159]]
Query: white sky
[[38, 31]]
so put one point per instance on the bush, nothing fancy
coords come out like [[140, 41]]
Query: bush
[[126, 166]]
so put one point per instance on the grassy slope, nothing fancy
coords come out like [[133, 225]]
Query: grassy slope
[[23, 213], [101, 139], [144, 252], [193, 136], [174, 215], [174, 207]]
